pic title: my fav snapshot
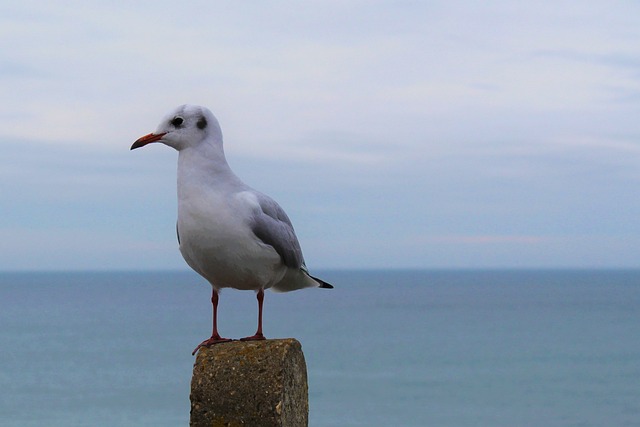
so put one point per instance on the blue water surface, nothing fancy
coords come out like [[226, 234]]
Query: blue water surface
[[401, 348]]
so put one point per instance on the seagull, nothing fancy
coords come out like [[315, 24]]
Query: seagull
[[229, 233]]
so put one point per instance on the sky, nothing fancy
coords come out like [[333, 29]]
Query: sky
[[396, 134]]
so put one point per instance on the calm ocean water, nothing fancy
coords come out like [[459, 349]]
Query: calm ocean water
[[385, 348]]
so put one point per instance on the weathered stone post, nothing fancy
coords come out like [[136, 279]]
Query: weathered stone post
[[250, 383]]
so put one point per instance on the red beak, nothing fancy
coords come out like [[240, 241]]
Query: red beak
[[142, 141]]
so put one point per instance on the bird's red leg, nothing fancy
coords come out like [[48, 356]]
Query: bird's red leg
[[215, 336], [258, 335]]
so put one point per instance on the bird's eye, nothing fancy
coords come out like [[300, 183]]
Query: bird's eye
[[177, 122]]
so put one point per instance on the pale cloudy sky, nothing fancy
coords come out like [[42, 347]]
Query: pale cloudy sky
[[395, 134]]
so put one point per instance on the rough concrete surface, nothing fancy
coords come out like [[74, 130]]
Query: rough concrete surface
[[252, 383]]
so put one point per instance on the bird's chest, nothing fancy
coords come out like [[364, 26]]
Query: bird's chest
[[216, 241], [210, 223]]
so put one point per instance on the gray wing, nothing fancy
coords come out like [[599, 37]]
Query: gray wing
[[273, 227]]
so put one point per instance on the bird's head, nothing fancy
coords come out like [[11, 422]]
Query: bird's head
[[183, 127]]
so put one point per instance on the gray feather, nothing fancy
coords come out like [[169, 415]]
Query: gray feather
[[273, 227]]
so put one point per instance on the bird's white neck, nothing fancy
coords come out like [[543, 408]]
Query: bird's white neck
[[203, 166]]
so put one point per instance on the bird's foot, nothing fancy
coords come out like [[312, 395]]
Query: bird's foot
[[257, 337], [209, 342]]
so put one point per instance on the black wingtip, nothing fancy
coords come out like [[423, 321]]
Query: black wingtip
[[323, 284]]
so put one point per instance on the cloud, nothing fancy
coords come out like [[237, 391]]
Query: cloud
[[371, 122], [485, 240], [57, 249]]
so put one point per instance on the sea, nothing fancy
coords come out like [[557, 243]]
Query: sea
[[446, 348]]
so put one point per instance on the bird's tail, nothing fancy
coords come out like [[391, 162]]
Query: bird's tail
[[299, 279], [322, 283]]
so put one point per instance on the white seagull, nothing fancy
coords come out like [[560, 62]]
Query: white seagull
[[229, 233]]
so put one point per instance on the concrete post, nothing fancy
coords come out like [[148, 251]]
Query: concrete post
[[250, 383]]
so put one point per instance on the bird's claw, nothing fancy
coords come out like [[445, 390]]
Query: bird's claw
[[256, 337], [209, 342]]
